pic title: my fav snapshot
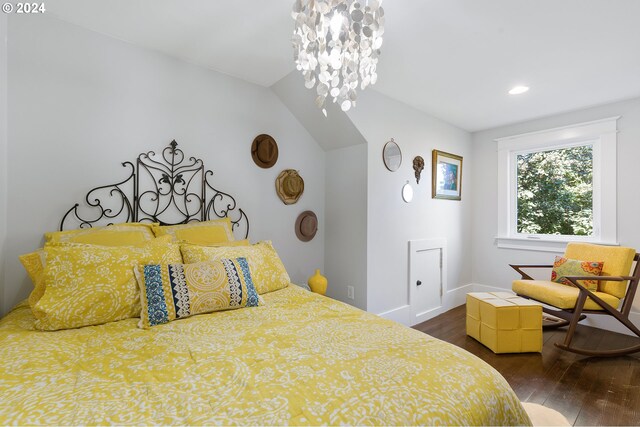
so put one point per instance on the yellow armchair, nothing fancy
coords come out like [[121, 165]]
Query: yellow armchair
[[616, 289]]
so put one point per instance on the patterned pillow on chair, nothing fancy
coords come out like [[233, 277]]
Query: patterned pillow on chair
[[563, 267]]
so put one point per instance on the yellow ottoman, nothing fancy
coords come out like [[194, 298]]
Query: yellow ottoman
[[504, 322]]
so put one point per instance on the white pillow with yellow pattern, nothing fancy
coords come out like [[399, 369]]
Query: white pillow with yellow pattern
[[90, 284], [267, 269]]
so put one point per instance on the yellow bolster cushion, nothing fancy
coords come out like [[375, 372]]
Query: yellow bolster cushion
[[559, 295], [175, 291], [617, 262]]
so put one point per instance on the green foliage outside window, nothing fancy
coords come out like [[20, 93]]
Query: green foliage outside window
[[555, 192]]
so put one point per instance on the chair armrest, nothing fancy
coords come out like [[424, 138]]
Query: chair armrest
[[575, 279], [525, 276], [584, 292]]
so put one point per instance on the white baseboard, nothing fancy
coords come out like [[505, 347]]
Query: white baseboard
[[456, 297], [451, 299], [400, 314], [594, 320]]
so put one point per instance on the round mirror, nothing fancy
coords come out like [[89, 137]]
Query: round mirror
[[407, 192], [392, 155]]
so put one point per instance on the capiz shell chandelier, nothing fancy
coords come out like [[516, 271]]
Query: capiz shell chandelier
[[336, 46]]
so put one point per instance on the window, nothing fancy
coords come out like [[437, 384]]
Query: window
[[554, 193], [558, 185]]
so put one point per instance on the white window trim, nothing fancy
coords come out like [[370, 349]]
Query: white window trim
[[602, 134]]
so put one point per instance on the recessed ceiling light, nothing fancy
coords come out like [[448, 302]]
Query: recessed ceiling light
[[517, 90]]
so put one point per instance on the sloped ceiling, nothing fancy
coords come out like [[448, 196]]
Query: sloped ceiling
[[453, 59], [336, 130]]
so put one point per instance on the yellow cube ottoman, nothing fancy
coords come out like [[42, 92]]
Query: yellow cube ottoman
[[504, 322]]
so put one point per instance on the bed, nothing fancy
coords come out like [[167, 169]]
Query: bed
[[297, 358]]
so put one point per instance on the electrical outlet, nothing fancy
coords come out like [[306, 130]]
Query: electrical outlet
[[351, 293]]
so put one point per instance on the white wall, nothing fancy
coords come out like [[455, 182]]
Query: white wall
[[81, 103], [391, 223], [3, 150], [346, 224], [490, 264]]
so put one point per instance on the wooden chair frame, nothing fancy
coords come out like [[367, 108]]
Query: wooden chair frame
[[572, 316]]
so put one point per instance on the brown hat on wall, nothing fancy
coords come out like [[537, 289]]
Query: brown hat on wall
[[264, 151], [306, 226], [289, 186]]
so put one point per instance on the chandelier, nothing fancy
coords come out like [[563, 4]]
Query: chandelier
[[336, 46]]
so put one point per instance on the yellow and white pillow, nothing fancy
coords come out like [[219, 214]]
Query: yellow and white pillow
[[175, 291], [34, 263], [199, 233], [126, 234], [90, 284], [267, 269]]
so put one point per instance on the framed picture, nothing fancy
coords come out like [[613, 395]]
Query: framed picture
[[446, 176]]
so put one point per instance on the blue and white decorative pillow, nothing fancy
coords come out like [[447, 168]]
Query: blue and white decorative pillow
[[175, 291]]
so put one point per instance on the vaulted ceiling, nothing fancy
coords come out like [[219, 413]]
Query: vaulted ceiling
[[453, 59]]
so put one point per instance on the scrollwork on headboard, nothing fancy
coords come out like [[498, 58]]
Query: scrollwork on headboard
[[166, 188]]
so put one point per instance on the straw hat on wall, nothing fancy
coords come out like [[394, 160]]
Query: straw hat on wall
[[289, 186]]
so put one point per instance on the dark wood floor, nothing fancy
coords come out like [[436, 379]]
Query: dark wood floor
[[586, 390]]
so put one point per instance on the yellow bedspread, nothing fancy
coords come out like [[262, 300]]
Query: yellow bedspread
[[298, 359]]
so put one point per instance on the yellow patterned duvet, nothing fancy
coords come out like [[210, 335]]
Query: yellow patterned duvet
[[298, 359]]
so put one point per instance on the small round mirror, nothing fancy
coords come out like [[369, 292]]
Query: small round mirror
[[407, 192], [392, 155]]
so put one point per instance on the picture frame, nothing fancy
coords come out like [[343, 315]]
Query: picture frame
[[446, 176]]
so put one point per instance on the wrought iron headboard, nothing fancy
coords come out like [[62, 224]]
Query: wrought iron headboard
[[165, 188]]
